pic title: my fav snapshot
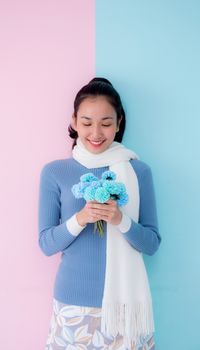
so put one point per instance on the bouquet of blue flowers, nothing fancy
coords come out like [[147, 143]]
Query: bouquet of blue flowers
[[101, 190]]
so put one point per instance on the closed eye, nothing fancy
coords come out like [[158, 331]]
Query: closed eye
[[106, 125]]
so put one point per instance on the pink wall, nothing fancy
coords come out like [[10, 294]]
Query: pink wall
[[47, 54]]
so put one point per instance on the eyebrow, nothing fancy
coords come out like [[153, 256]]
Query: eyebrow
[[104, 118]]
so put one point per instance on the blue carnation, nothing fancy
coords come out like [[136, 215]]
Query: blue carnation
[[95, 184], [108, 175], [101, 195], [89, 194], [76, 190], [88, 177], [122, 199], [121, 187], [112, 187]]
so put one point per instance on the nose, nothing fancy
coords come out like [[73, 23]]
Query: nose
[[96, 132]]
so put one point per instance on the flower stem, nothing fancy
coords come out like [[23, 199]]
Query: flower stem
[[99, 226]]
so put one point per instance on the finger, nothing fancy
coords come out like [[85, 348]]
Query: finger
[[91, 206], [97, 206], [94, 218], [100, 213], [106, 213], [105, 210], [106, 218], [111, 203]]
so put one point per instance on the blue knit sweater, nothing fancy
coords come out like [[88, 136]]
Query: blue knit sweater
[[81, 273]]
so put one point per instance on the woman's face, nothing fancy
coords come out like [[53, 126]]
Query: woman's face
[[96, 123]]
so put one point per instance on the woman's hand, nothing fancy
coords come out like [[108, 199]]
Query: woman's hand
[[94, 211]]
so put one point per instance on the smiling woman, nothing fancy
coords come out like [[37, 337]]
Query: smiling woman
[[105, 275], [100, 104]]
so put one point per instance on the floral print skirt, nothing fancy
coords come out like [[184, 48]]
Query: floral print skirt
[[75, 327]]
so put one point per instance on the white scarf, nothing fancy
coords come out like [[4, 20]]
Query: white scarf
[[127, 304]]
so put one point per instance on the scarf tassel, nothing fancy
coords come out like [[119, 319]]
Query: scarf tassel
[[130, 321]]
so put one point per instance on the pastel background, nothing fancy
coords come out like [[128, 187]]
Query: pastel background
[[47, 53], [151, 53]]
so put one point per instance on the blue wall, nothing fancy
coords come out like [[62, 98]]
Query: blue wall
[[150, 50]]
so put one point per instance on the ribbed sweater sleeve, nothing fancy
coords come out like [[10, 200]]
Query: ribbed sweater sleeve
[[144, 235], [53, 235]]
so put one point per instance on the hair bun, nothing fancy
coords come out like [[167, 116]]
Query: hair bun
[[100, 80]]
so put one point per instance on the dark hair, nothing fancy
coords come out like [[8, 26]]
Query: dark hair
[[100, 87]]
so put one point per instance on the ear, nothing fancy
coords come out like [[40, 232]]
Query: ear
[[118, 124], [73, 122]]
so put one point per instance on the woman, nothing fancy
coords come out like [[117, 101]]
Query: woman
[[101, 293]]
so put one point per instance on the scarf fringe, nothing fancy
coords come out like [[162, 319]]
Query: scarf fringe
[[130, 321]]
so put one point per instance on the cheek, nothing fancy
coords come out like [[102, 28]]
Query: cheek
[[80, 129], [111, 132]]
